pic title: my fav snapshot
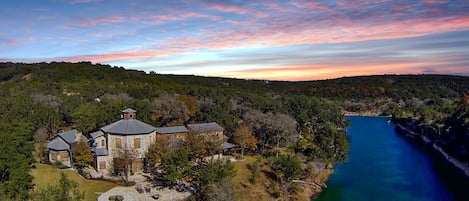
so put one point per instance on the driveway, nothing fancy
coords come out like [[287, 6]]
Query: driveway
[[131, 194]]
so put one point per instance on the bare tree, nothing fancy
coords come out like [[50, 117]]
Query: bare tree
[[122, 162], [272, 128], [169, 110]]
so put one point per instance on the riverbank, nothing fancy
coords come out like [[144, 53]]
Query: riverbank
[[426, 141], [367, 113], [313, 187]]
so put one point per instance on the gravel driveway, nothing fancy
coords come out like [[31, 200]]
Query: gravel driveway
[[130, 194]]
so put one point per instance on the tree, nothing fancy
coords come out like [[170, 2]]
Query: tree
[[190, 102], [157, 150], [221, 191], [168, 110], [286, 168], [175, 166], [65, 190], [272, 128], [89, 117], [195, 145], [123, 162], [40, 138], [212, 145], [82, 155], [209, 175], [15, 160], [243, 136]]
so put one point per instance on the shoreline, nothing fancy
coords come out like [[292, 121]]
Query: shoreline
[[320, 181], [364, 114], [426, 141]]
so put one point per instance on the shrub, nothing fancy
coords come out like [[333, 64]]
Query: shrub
[[58, 164], [116, 198], [255, 171]]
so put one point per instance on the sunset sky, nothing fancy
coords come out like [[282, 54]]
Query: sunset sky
[[262, 39]]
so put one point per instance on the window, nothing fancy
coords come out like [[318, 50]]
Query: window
[[102, 165], [103, 143], [137, 143], [118, 143], [53, 156], [63, 155]]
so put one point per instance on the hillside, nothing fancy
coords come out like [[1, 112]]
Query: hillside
[[304, 119]]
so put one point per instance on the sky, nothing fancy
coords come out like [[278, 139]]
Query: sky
[[252, 39]]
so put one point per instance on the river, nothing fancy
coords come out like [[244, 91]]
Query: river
[[385, 166]]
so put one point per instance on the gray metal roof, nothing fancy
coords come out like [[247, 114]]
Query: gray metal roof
[[58, 144], [128, 127], [96, 134], [205, 127], [170, 130], [69, 136], [84, 139], [129, 110], [100, 151], [227, 145]]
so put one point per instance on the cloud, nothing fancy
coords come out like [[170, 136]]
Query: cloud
[[102, 20], [288, 37], [435, 1], [227, 9], [9, 42]]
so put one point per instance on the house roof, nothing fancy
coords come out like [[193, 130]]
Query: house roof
[[227, 145], [96, 134], [128, 127], [69, 136], [170, 130], [58, 144], [205, 127], [129, 110], [100, 151]]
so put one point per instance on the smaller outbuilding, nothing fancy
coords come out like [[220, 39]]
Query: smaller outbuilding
[[61, 146]]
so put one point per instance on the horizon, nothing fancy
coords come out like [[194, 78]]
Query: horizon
[[272, 40], [250, 79]]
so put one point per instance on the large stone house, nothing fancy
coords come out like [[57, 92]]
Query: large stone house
[[126, 136], [61, 146], [131, 136]]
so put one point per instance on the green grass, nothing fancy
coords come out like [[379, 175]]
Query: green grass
[[45, 175], [243, 188]]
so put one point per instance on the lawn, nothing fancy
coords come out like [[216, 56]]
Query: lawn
[[243, 188], [45, 175]]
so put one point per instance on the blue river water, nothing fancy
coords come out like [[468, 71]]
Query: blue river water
[[385, 166]]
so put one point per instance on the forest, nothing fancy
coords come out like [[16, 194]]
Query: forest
[[303, 121]]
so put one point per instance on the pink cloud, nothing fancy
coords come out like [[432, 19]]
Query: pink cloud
[[260, 14], [227, 9], [276, 7], [269, 36], [311, 5], [10, 42], [116, 56], [102, 20], [359, 4], [434, 1]]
